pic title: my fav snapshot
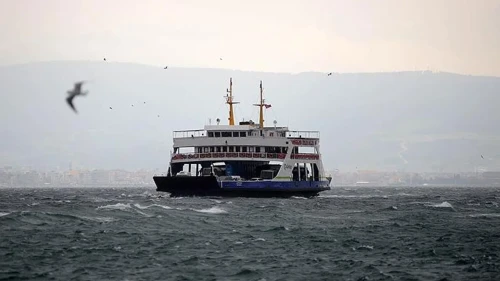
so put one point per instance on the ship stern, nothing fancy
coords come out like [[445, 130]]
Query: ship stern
[[187, 186]]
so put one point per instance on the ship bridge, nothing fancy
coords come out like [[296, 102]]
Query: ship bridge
[[242, 135], [243, 131]]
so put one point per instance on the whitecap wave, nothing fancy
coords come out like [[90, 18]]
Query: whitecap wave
[[491, 215], [405, 194], [117, 206], [4, 214], [441, 205], [473, 204], [144, 214], [99, 219], [153, 205], [99, 200], [213, 210], [365, 247]]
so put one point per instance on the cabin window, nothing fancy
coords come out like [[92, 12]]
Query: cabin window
[[212, 149], [217, 134], [271, 149], [257, 149], [251, 149], [199, 149], [226, 134], [237, 149], [224, 149], [205, 149], [231, 149], [243, 134], [236, 134], [271, 134], [244, 149], [210, 134], [219, 149]]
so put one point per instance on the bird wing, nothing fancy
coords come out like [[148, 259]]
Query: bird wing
[[78, 86], [69, 100]]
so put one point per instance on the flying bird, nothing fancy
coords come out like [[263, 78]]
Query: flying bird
[[220, 58], [329, 74], [132, 105], [104, 59], [77, 91], [110, 107], [144, 102], [482, 156], [165, 67]]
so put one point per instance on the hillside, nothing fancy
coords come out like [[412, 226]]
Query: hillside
[[416, 121]]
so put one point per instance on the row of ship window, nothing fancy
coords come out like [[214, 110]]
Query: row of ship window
[[243, 134], [258, 149]]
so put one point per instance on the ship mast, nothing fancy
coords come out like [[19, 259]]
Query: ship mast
[[261, 105], [229, 100]]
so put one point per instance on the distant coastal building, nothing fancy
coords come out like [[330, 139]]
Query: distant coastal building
[[491, 177]]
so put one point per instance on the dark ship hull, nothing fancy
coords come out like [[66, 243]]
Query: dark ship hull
[[210, 186]]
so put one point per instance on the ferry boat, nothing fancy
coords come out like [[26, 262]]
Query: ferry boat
[[244, 160]]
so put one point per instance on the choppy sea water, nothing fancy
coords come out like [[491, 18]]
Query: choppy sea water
[[345, 234]]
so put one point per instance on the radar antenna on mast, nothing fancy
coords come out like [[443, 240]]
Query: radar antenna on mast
[[229, 100], [262, 105]]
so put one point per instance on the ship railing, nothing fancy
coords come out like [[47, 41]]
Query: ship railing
[[243, 155], [189, 134], [201, 133], [253, 134], [303, 134]]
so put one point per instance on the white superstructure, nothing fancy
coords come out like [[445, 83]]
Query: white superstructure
[[249, 146]]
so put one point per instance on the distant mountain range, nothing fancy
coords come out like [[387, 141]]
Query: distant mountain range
[[413, 121]]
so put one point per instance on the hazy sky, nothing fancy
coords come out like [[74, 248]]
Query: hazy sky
[[460, 36]]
